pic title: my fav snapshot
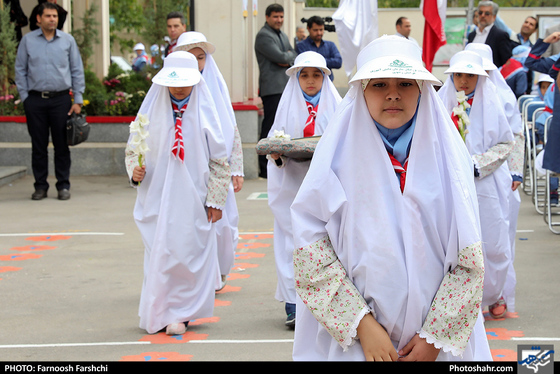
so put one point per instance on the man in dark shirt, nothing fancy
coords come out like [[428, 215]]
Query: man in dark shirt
[[314, 42], [274, 55]]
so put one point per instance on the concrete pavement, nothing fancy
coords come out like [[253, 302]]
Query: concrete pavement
[[71, 274]]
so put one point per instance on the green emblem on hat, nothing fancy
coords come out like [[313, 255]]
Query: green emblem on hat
[[172, 75], [469, 66], [398, 64]]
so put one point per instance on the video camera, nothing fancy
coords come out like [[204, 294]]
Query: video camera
[[328, 20]]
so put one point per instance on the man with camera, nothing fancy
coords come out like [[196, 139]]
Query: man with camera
[[314, 42]]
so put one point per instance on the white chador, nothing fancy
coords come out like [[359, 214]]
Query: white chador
[[490, 141], [412, 258], [515, 160], [180, 259], [226, 228], [284, 182]]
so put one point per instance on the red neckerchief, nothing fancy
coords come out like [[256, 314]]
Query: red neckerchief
[[454, 116], [399, 169], [309, 129], [178, 148]]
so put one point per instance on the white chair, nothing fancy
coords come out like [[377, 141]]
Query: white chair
[[530, 111], [523, 101]]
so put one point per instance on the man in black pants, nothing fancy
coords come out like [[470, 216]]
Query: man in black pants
[[48, 65], [275, 55]]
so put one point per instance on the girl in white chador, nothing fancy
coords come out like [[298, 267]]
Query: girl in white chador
[[227, 228], [388, 261], [307, 104], [489, 139], [515, 160], [182, 189]]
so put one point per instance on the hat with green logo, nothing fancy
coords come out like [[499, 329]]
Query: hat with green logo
[[392, 56], [180, 69], [466, 62]]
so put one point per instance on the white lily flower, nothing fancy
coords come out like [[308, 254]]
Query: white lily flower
[[280, 134], [461, 97], [143, 120], [143, 148]]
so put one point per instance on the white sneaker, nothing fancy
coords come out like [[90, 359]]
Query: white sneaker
[[176, 329]]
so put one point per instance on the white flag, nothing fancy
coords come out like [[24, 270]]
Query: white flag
[[356, 26]]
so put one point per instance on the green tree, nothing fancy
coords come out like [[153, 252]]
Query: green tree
[[125, 16], [8, 48], [87, 36]]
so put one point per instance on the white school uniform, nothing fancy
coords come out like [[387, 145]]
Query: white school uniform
[[180, 244], [283, 182], [395, 247], [227, 229], [489, 127]]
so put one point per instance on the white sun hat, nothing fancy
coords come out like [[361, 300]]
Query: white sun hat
[[466, 62], [392, 56], [545, 78], [180, 69], [139, 46], [309, 59], [194, 39], [485, 51]]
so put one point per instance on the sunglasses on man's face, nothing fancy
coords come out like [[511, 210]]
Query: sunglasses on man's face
[[481, 13]]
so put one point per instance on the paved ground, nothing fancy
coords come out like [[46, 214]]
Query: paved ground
[[71, 273]]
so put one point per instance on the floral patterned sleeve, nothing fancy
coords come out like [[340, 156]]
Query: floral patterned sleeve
[[218, 183], [131, 161], [516, 157], [489, 161], [456, 306], [326, 290], [236, 160]]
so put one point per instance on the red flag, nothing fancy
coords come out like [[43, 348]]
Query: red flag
[[434, 33]]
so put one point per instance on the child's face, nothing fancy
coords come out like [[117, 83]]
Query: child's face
[[200, 57], [311, 80], [544, 87], [392, 102], [465, 82], [180, 93]]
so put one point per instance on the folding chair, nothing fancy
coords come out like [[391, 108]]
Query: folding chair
[[551, 181], [531, 111], [528, 183]]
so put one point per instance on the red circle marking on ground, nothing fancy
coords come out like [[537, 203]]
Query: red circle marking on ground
[[48, 238], [163, 338], [33, 248], [252, 245], [5, 269], [504, 354], [19, 257], [158, 356], [256, 236]]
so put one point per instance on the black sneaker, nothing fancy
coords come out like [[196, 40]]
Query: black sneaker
[[291, 320]]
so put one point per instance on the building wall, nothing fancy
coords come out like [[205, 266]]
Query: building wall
[[223, 23]]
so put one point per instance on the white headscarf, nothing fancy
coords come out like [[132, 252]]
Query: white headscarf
[[488, 123], [506, 95], [283, 183], [488, 128], [180, 256], [215, 82], [396, 246], [292, 112]]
